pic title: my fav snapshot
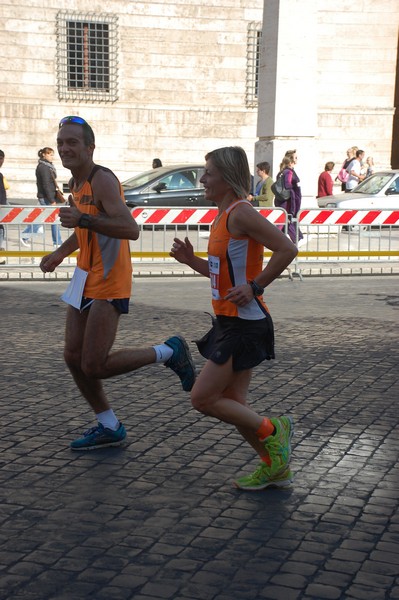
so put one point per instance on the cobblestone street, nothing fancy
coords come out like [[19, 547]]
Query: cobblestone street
[[160, 519]]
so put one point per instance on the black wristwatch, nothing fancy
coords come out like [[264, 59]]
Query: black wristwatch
[[257, 289], [84, 221]]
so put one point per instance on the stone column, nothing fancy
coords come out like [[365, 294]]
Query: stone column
[[287, 103]]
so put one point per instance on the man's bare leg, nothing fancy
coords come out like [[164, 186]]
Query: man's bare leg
[[88, 342], [89, 338]]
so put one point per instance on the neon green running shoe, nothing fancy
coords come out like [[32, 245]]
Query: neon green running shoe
[[278, 445], [259, 479]]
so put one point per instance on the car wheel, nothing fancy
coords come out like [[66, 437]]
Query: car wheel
[[358, 228]]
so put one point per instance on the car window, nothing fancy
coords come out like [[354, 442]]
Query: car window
[[394, 187], [180, 180], [139, 180], [373, 184]]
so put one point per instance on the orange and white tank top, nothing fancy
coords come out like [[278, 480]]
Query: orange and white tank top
[[106, 259], [233, 261]]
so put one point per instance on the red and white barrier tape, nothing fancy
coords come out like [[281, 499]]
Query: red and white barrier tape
[[348, 217], [144, 216], [193, 216], [19, 215], [25, 215]]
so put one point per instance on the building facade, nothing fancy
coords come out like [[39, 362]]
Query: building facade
[[328, 76], [174, 80]]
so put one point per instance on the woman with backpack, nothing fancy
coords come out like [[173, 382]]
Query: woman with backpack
[[290, 182]]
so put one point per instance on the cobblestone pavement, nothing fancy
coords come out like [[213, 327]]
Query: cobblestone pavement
[[160, 519]]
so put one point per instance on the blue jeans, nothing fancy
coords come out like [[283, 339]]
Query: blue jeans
[[33, 229]]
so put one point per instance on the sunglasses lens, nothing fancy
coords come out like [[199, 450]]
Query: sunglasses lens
[[78, 120]]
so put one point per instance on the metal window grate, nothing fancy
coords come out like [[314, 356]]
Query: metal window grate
[[254, 37], [87, 48]]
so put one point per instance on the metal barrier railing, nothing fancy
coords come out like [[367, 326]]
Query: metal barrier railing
[[353, 237], [329, 235]]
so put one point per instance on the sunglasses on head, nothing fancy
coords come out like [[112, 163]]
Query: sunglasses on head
[[72, 119]]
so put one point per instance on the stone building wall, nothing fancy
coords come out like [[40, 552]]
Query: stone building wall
[[327, 82], [357, 70], [181, 84]]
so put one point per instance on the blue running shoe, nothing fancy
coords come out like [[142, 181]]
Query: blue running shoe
[[100, 437], [181, 362]]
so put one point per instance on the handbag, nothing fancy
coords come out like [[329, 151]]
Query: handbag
[[59, 196], [343, 175]]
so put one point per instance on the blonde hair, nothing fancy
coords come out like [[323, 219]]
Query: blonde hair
[[232, 162], [352, 150], [285, 163]]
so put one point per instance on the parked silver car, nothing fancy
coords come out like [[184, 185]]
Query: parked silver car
[[379, 191]]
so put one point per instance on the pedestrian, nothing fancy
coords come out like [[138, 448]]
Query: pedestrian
[[3, 201], [100, 289], [263, 193], [156, 163], [325, 182], [369, 167], [343, 174], [46, 183], [242, 333], [355, 171], [293, 205]]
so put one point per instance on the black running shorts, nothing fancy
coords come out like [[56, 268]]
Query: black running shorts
[[248, 342]]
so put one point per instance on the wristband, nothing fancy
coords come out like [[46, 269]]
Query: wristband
[[84, 221], [257, 289]]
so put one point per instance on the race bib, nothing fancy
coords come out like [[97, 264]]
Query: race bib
[[214, 274], [74, 292]]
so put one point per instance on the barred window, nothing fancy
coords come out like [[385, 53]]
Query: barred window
[[254, 38], [87, 57]]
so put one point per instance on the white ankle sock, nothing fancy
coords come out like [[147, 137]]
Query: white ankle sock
[[163, 352], [108, 419]]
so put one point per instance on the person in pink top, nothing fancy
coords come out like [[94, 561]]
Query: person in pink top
[[325, 184]]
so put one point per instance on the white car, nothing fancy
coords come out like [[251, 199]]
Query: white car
[[379, 191]]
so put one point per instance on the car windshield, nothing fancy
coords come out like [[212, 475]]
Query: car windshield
[[181, 180], [142, 179], [166, 179], [373, 184]]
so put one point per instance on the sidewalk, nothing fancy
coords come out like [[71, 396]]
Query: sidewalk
[[160, 519]]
